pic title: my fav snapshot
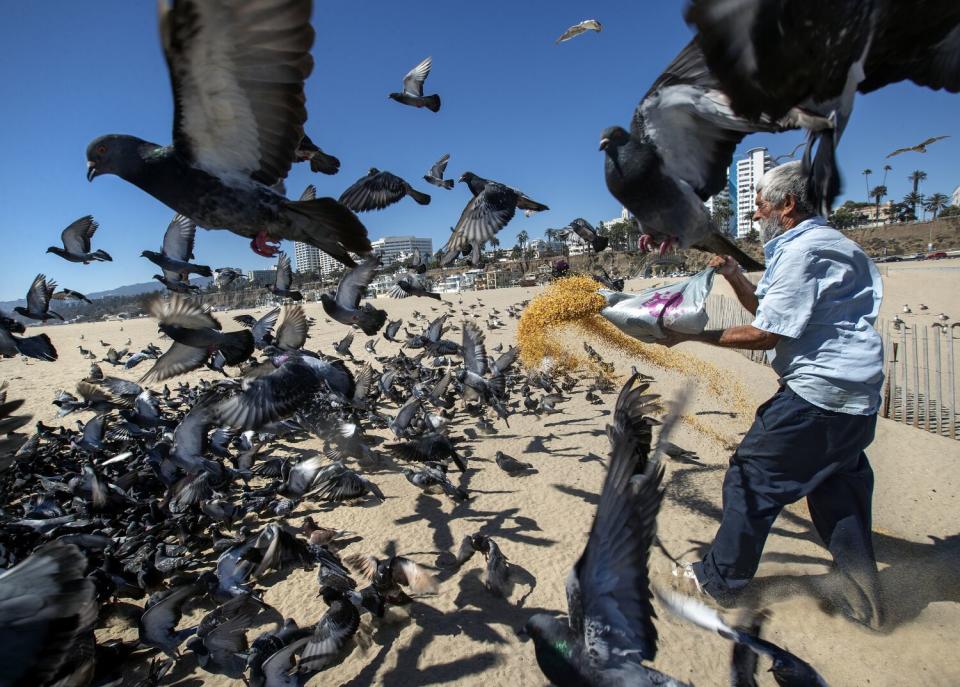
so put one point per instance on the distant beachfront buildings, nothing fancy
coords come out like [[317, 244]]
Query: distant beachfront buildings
[[393, 248], [749, 170]]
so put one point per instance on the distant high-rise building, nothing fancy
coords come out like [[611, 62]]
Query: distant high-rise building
[[956, 197], [749, 170], [262, 277], [308, 257], [393, 248]]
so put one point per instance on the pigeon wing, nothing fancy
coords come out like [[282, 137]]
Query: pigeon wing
[[45, 603], [179, 310], [262, 326], [486, 214], [374, 191], [179, 359], [76, 237], [413, 81], [474, 351], [237, 72], [354, 283], [38, 297], [269, 398], [284, 273], [690, 121], [609, 596], [178, 238], [292, 332], [440, 167]]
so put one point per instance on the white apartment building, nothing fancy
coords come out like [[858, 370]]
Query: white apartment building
[[749, 170], [308, 257], [393, 248]]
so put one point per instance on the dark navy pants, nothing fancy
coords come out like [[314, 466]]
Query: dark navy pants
[[795, 449]]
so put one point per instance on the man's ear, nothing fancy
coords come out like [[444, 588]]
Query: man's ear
[[789, 205]]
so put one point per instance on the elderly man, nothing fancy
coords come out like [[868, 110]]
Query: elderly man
[[814, 311]]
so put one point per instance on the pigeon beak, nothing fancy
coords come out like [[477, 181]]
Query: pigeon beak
[[91, 170], [522, 633], [604, 142]]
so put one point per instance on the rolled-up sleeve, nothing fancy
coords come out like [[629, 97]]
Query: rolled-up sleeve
[[787, 302]]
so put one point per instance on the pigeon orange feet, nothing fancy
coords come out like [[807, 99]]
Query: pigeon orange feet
[[264, 245]]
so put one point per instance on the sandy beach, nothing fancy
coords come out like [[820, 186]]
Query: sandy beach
[[465, 636]]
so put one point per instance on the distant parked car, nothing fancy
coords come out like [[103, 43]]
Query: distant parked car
[[939, 255]]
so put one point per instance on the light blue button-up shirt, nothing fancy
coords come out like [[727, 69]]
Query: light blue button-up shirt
[[821, 293]]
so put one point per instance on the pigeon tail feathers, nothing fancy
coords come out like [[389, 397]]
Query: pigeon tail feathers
[[719, 244]]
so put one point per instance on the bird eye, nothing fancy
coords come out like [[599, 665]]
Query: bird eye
[[101, 149]]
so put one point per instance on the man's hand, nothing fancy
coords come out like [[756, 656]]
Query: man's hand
[[724, 264]]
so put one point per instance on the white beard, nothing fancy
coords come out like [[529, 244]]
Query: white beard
[[770, 228]]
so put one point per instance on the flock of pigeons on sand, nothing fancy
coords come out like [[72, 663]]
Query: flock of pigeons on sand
[[171, 497]]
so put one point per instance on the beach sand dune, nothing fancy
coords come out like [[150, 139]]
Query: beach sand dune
[[465, 636]]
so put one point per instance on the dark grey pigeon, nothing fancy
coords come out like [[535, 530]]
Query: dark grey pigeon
[[319, 160], [412, 93], [435, 175], [609, 631], [585, 231], [377, 190], [512, 466], [38, 346], [47, 608], [225, 276], [677, 155], [38, 300], [393, 326], [344, 306], [239, 110], [497, 569], [492, 207], [412, 284], [831, 51], [70, 295], [76, 243], [196, 335], [284, 280], [292, 332], [176, 253]]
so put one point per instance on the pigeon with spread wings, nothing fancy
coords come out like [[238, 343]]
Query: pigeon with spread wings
[[919, 148], [582, 27], [237, 71], [344, 306], [76, 242], [412, 93], [676, 155]]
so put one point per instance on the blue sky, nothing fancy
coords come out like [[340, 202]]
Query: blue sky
[[516, 108]]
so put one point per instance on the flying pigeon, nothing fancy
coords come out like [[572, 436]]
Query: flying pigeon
[[175, 255], [239, 112], [377, 190], [47, 610], [225, 276], [492, 207], [412, 93], [319, 160], [38, 346], [412, 284], [344, 306], [38, 300], [196, 335], [830, 50], [609, 629], [582, 27], [435, 175], [70, 295], [284, 280], [76, 243], [919, 148], [585, 231], [676, 155]]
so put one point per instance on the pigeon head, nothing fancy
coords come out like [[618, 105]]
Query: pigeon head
[[467, 177], [396, 96], [115, 154], [613, 137]]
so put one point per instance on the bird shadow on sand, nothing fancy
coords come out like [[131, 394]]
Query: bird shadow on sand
[[588, 496]]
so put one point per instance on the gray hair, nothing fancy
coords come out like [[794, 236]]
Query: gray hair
[[787, 180]]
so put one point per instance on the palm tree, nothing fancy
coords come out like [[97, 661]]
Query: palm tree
[[551, 235], [522, 238], [886, 168], [917, 176], [722, 212], [877, 194], [913, 200], [936, 202], [866, 176]]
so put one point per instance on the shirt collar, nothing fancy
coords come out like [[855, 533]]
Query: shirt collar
[[771, 246]]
